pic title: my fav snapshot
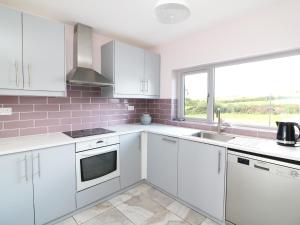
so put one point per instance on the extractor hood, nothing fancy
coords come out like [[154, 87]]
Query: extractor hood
[[83, 72]]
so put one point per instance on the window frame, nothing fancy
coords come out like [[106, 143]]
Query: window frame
[[210, 95], [210, 68]]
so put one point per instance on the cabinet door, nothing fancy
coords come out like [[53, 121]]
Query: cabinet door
[[43, 54], [201, 176], [16, 191], [152, 74], [54, 182], [162, 162], [10, 49], [130, 159], [129, 69]]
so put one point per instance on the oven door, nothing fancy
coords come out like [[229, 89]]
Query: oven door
[[96, 166]]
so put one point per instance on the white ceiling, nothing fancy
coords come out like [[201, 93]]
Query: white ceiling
[[134, 20]]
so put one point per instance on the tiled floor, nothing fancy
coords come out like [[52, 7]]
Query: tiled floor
[[141, 205]]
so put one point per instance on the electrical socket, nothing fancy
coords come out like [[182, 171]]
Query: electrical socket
[[130, 108], [5, 111]]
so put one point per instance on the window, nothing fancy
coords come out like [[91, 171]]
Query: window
[[253, 93], [195, 95]]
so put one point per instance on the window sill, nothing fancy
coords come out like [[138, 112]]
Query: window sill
[[258, 132]]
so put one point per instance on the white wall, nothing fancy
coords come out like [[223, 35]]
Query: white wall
[[269, 30]]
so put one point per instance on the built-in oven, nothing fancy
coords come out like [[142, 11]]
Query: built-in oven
[[97, 161]]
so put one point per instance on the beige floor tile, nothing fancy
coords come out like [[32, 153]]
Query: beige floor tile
[[140, 208], [186, 213], [69, 221], [209, 222], [109, 217], [165, 218], [92, 212], [159, 197]]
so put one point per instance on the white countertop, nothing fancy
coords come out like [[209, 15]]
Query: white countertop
[[254, 145]]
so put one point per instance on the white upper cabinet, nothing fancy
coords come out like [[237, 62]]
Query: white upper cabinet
[[152, 74], [32, 55], [10, 49], [129, 69], [135, 71], [43, 54]]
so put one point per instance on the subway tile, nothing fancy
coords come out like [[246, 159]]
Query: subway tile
[[90, 106], [14, 116], [71, 93], [33, 100], [91, 94], [33, 131], [80, 100], [33, 115], [20, 108], [9, 133], [70, 120], [90, 119], [99, 100], [46, 108], [9, 100], [46, 122], [81, 113], [62, 114], [58, 100], [18, 124], [60, 128], [65, 107]]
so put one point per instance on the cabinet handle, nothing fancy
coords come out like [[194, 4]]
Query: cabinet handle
[[219, 162], [147, 85], [39, 165], [17, 73], [26, 168], [169, 140], [142, 86], [29, 76]]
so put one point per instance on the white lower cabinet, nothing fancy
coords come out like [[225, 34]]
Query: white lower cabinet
[[130, 159], [54, 182], [16, 191], [162, 162], [37, 187], [201, 176]]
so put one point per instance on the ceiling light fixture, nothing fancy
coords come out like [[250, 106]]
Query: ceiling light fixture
[[172, 11]]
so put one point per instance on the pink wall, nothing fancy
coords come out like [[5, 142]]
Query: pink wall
[[269, 30]]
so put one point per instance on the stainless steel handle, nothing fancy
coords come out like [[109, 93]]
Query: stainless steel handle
[[17, 73], [219, 162], [261, 167], [169, 140], [26, 169], [39, 165], [142, 86], [29, 76], [147, 85]]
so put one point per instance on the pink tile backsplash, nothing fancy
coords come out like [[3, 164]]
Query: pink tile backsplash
[[85, 108]]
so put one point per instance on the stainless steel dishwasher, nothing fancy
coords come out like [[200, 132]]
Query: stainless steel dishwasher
[[262, 190]]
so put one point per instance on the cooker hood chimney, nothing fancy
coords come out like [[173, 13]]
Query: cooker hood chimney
[[83, 73]]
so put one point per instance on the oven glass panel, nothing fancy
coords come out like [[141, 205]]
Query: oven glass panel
[[97, 166]]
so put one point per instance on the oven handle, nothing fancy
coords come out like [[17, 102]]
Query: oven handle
[[97, 151]]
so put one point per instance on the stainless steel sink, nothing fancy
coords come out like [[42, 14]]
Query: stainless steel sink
[[214, 136]]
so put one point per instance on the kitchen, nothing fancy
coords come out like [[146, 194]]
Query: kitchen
[[73, 151]]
